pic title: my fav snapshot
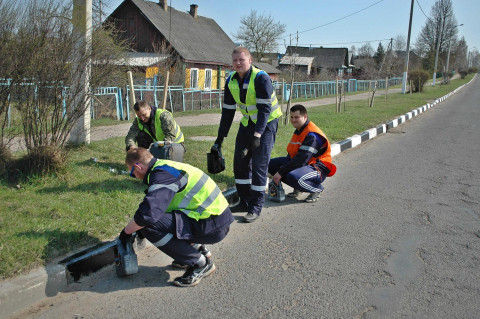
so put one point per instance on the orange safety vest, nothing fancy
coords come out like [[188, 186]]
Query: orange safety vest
[[296, 143]]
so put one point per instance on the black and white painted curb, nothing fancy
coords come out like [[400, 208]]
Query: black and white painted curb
[[357, 139], [21, 292]]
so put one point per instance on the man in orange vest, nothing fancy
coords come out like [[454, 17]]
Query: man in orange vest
[[309, 159]]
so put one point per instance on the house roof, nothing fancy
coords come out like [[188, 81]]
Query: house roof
[[197, 39], [267, 67], [142, 59], [323, 57], [298, 60]]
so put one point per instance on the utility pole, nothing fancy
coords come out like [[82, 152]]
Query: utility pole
[[82, 30], [438, 49], [407, 53]]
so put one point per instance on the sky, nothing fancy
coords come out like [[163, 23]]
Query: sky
[[335, 23]]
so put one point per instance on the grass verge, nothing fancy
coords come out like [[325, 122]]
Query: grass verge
[[49, 216]]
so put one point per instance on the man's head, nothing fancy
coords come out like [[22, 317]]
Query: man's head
[[241, 60], [137, 161], [143, 110], [298, 116]]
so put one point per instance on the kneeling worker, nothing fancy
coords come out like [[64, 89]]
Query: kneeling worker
[[156, 125], [183, 210], [309, 159]]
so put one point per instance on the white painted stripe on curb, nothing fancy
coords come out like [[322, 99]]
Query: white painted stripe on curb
[[372, 133], [335, 149], [356, 140]]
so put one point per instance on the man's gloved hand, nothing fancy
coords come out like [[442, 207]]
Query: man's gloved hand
[[217, 146], [255, 143], [124, 237]]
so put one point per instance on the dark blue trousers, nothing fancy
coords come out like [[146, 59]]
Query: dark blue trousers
[[251, 171], [305, 179], [174, 233]]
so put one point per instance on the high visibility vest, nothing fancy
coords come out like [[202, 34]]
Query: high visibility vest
[[159, 135], [296, 144], [198, 195], [249, 108]]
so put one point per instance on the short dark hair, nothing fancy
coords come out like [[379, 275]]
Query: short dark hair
[[139, 154], [240, 50], [300, 108], [140, 105]]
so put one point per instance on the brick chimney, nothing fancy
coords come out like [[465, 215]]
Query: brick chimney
[[193, 10], [163, 4]]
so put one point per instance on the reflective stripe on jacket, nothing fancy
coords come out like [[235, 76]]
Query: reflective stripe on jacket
[[324, 154], [159, 135], [198, 196], [249, 108]]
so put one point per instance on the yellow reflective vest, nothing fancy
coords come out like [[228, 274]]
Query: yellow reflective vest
[[159, 135], [198, 195], [249, 108]]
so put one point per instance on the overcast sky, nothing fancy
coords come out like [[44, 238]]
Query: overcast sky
[[336, 23]]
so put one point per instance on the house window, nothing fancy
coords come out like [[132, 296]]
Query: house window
[[193, 78], [208, 79]]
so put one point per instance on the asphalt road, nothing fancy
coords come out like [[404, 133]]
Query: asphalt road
[[396, 234]]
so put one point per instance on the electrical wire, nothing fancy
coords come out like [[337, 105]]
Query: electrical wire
[[353, 42], [421, 9], [339, 19]]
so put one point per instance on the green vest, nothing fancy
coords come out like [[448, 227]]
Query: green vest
[[249, 108], [159, 136], [200, 196]]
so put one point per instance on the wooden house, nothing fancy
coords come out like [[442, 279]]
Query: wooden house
[[202, 47], [315, 60]]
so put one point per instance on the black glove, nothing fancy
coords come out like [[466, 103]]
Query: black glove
[[254, 143], [124, 237], [217, 146]]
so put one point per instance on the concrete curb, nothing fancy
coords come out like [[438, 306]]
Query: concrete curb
[[21, 292]]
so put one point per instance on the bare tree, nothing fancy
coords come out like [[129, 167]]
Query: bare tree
[[459, 55], [366, 50], [442, 27], [399, 43], [259, 33], [41, 52]]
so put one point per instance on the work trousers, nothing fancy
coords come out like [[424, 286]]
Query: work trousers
[[305, 179], [164, 235], [251, 170]]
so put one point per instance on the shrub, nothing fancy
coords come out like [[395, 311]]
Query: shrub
[[418, 79], [463, 73]]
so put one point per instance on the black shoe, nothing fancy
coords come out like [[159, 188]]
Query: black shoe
[[203, 249], [250, 217], [242, 207], [194, 275]]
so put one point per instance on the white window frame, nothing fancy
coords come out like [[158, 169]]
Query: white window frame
[[208, 84], [194, 78]]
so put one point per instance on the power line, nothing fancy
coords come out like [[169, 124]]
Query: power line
[[421, 9], [353, 42], [320, 26]]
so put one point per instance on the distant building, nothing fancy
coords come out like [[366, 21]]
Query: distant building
[[203, 48], [315, 60]]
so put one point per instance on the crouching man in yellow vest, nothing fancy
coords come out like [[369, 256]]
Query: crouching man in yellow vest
[[155, 125], [183, 210]]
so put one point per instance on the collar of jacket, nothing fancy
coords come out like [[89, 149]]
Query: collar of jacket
[[149, 170], [245, 78], [298, 132]]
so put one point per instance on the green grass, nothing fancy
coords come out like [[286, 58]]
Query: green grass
[[51, 216]]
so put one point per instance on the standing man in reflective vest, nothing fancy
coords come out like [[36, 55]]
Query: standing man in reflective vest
[[252, 91], [155, 125], [309, 159], [183, 210]]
